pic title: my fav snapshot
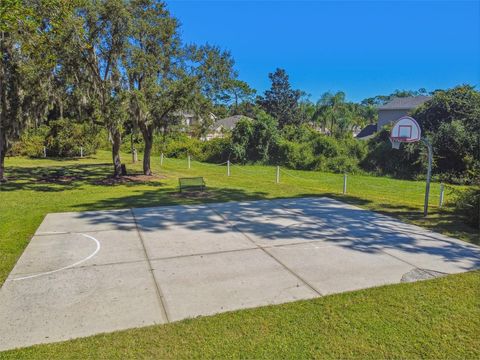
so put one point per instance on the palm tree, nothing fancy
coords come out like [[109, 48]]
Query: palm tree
[[329, 109]]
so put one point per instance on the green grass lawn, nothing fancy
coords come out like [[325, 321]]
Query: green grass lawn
[[437, 319], [434, 318]]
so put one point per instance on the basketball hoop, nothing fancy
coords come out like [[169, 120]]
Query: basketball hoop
[[405, 129]]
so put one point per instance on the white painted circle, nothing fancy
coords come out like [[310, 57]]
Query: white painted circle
[[97, 249], [406, 129]]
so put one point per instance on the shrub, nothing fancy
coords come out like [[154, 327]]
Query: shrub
[[254, 140], [342, 164], [295, 155], [381, 159], [181, 146], [66, 137], [325, 146], [468, 204], [31, 143], [217, 150]]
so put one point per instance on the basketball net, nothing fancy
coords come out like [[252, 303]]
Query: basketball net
[[396, 141]]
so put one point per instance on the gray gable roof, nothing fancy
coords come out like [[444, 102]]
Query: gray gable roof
[[367, 131], [404, 103], [229, 123]]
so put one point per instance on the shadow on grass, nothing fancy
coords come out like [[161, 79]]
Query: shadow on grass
[[63, 178], [57, 179]]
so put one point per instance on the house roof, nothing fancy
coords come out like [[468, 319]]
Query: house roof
[[367, 131], [404, 103], [229, 123]]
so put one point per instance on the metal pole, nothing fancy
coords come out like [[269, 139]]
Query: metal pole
[[188, 161], [161, 159], [344, 184], [228, 167], [278, 174], [442, 191], [429, 175]]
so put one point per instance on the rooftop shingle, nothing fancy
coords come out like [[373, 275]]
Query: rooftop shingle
[[410, 102]]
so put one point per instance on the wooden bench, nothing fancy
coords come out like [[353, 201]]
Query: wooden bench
[[191, 183]]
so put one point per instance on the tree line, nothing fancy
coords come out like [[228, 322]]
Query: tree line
[[109, 62], [122, 66]]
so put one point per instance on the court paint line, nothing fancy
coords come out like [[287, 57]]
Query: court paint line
[[65, 267], [97, 265], [161, 297]]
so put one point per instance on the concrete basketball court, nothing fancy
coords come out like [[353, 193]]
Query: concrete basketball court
[[92, 272]]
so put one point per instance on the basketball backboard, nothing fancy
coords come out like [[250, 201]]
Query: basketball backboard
[[405, 129]]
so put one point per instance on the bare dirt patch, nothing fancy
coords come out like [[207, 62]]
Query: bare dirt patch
[[128, 179], [59, 179]]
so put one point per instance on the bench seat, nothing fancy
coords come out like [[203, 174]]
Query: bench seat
[[191, 183]]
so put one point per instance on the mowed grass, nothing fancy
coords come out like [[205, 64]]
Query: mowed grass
[[41, 186], [428, 319], [437, 319]]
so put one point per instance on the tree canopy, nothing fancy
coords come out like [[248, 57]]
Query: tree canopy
[[281, 101]]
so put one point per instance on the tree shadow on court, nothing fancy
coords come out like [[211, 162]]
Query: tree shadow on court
[[321, 221], [57, 179], [167, 196]]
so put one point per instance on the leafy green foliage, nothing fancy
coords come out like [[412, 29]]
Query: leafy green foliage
[[451, 121], [281, 101], [65, 138], [467, 203], [381, 159], [61, 138], [217, 150], [253, 140], [31, 143]]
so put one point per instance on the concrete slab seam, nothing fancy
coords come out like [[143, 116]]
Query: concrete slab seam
[[97, 265], [163, 305], [311, 287], [372, 223]]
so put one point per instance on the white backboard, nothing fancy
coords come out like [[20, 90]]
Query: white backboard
[[406, 129]]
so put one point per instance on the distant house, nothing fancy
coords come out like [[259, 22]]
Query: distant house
[[392, 111], [367, 132], [189, 118], [224, 126]]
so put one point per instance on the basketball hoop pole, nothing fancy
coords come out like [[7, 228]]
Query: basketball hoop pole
[[406, 129], [429, 174]]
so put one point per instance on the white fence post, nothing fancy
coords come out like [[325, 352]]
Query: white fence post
[[228, 167], [161, 159], [135, 155], [188, 161], [278, 175], [81, 151], [44, 152], [442, 192], [344, 184]]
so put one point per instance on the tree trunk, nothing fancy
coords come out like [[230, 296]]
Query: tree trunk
[[147, 133], [3, 153], [146, 158], [2, 165], [3, 109], [117, 163]]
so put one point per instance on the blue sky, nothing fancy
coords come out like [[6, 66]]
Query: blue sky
[[363, 48]]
